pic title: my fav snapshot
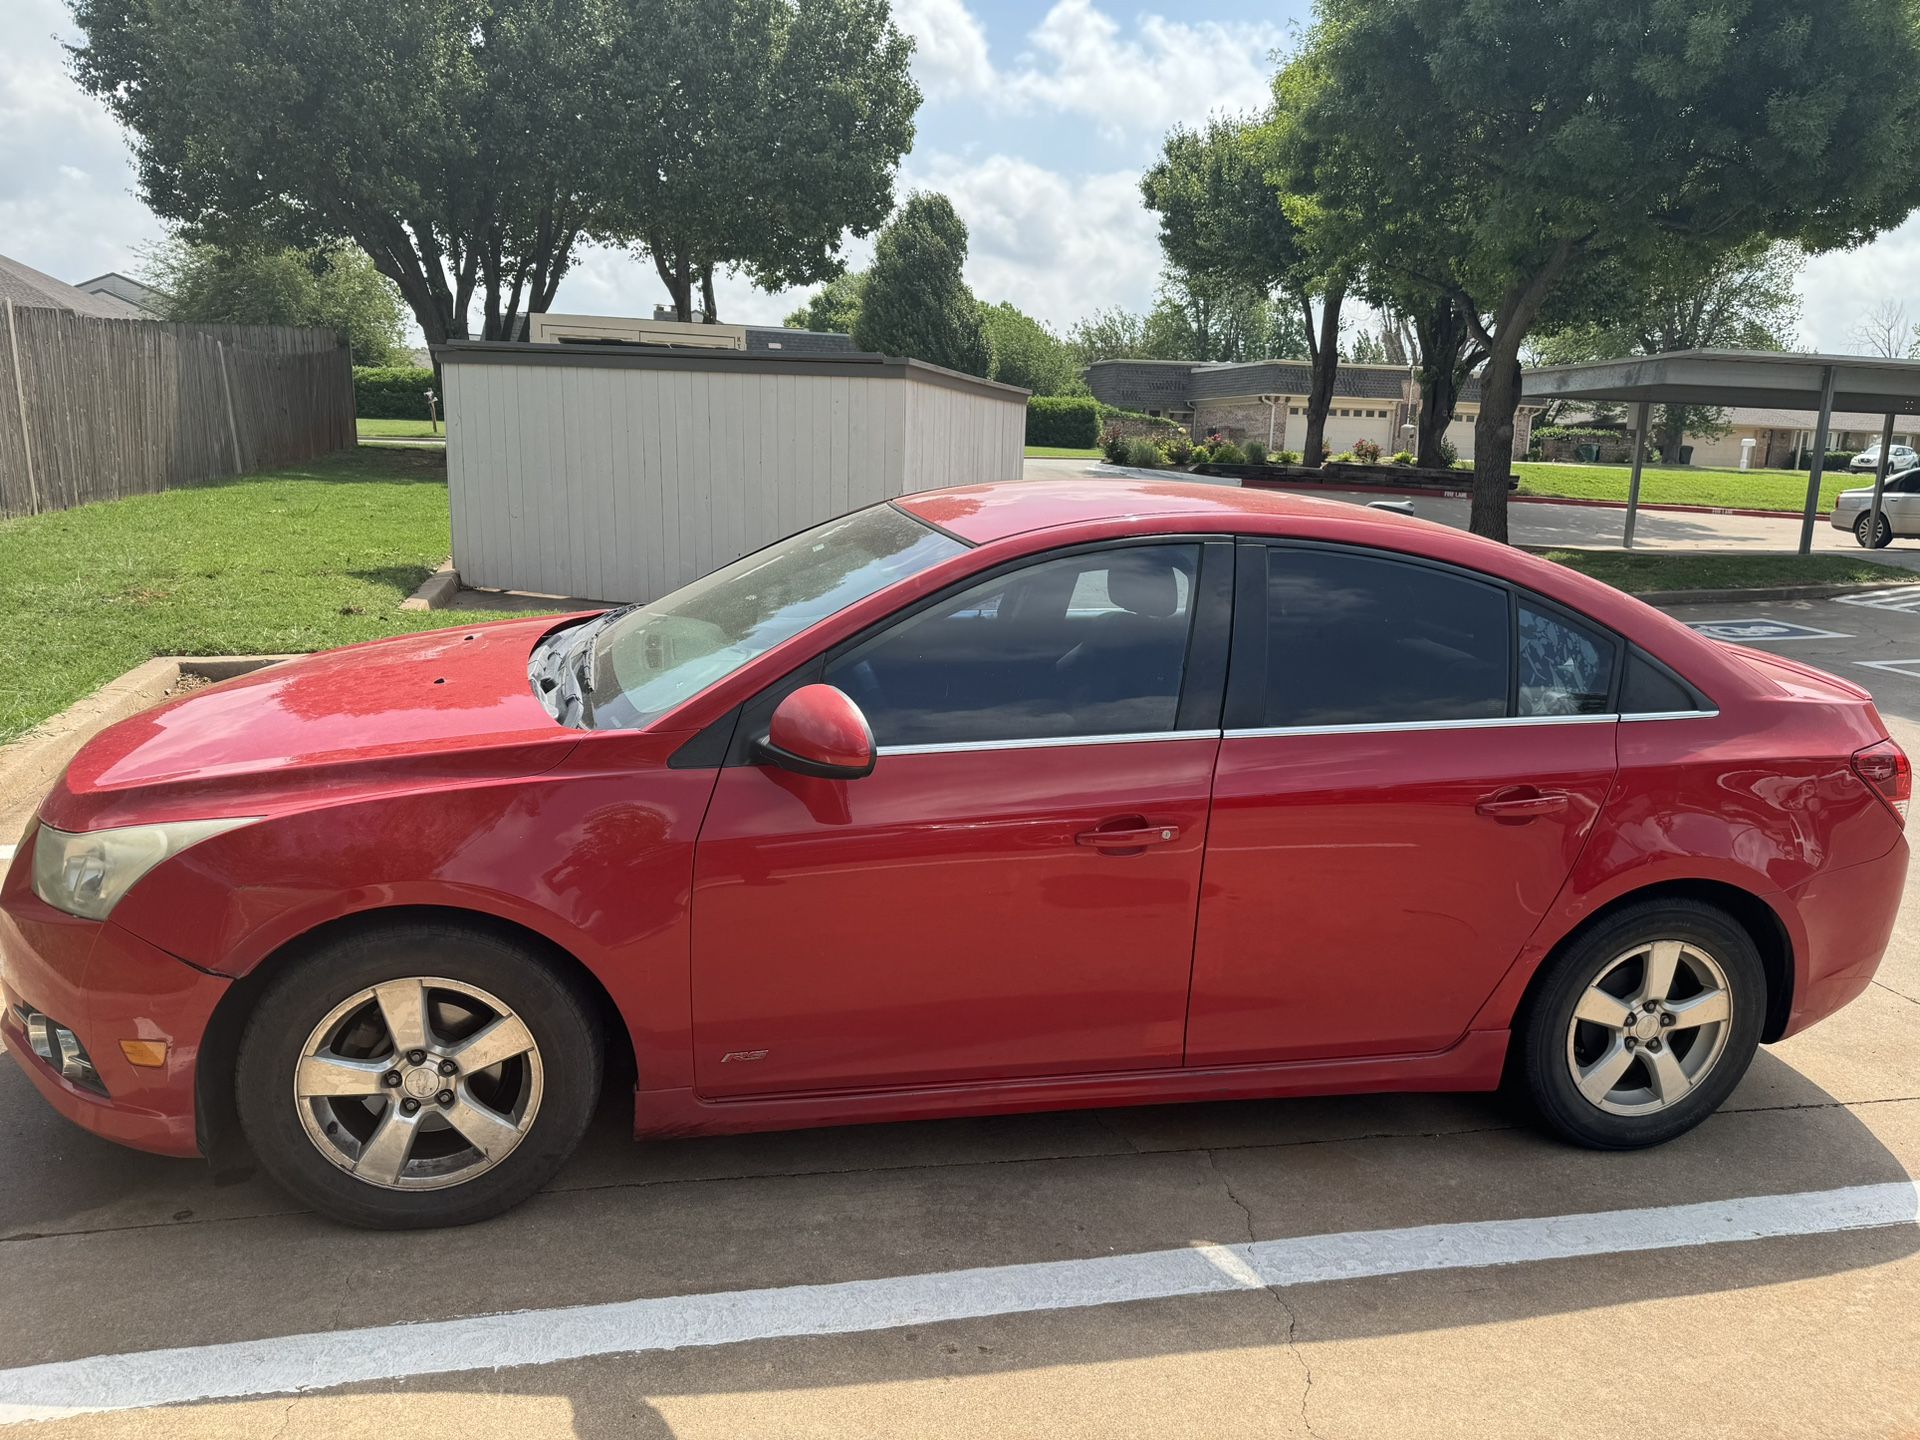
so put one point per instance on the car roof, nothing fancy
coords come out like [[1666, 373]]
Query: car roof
[[980, 514]]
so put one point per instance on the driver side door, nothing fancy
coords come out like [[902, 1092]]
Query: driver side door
[[1012, 891]]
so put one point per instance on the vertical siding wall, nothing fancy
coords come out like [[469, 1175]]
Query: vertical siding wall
[[621, 483], [962, 437], [94, 409]]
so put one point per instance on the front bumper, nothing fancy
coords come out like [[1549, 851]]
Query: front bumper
[[105, 985]]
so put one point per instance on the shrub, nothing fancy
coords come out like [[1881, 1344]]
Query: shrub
[[1180, 449], [1069, 421], [1368, 451], [1403, 457], [1836, 460], [391, 392], [1202, 454], [1346, 457], [1578, 432], [1256, 452], [1228, 453], [1143, 454], [1114, 445], [1449, 452], [1284, 457]]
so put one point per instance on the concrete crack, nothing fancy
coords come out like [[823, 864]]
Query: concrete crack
[[1910, 999], [1279, 1296]]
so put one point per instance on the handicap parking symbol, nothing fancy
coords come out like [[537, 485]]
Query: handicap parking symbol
[[1747, 632]]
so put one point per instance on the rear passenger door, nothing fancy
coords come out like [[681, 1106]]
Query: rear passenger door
[[1413, 757]]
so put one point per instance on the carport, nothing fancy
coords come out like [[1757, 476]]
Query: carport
[[1820, 383]]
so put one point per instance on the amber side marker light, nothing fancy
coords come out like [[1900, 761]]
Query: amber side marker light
[[150, 1053], [1886, 768]]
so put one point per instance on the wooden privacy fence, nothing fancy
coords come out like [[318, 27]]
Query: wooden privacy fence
[[95, 409]]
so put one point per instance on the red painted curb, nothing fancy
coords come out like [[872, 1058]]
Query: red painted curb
[[1439, 494]]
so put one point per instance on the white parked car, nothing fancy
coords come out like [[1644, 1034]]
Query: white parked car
[[1899, 509], [1902, 457]]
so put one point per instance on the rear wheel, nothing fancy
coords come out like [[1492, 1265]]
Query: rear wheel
[[416, 1076], [1868, 536], [1643, 1026]]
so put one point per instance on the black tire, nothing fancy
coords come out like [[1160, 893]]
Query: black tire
[[1879, 540], [568, 1048], [1546, 1060]]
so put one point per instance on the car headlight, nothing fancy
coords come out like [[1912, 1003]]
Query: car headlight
[[86, 874]]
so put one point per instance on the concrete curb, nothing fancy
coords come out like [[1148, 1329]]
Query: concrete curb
[[436, 592], [30, 765]]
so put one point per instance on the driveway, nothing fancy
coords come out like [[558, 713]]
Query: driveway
[[1374, 1266]]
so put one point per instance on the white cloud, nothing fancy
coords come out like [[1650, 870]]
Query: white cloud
[[1840, 288], [950, 48], [67, 202], [1058, 246]]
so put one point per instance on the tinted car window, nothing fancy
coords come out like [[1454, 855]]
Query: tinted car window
[[1565, 668], [1354, 640], [1090, 644], [1647, 689]]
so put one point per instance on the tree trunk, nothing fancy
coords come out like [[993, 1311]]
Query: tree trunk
[[712, 311], [1493, 439], [676, 274], [1326, 366], [1670, 432], [1443, 336]]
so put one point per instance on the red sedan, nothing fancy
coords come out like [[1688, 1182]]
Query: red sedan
[[1007, 798]]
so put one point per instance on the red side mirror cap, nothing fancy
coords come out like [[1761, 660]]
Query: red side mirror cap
[[819, 731]]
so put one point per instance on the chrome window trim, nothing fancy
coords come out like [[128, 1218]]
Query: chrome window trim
[[1387, 727], [1496, 722], [1674, 715], [1048, 742]]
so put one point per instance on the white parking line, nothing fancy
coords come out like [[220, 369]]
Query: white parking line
[[6, 853], [1904, 597], [1909, 668], [294, 1363]]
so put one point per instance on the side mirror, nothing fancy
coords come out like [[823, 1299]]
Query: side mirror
[[818, 731]]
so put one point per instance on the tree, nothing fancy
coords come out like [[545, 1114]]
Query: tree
[[1884, 330], [777, 134], [336, 288], [459, 144], [916, 302], [1529, 157], [1746, 299], [834, 307], [1225, 227], [1113, 334], [1028, 354], [469, 146], [1201, 317]]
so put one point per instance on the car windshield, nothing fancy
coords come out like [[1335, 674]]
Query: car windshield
[[647, 660]]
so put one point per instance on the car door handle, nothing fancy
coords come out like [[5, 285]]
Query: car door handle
[[1132, 837], [1522, 802]]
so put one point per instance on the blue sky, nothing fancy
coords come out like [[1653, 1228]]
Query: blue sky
[[1038, 119]]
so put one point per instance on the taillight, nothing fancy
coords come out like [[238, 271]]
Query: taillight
[[1886, 768]]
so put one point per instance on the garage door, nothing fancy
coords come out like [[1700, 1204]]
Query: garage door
[[1348, 423], [1460, 432]]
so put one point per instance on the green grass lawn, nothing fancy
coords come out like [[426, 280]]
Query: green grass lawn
[[1640, 574], [1056, 452], [401, 429], [304, 558], [1682, 485]]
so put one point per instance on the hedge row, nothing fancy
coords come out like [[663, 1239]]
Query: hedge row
[[1069, 421], [391, 392]]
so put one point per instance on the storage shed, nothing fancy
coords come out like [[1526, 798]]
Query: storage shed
[[622, 472]]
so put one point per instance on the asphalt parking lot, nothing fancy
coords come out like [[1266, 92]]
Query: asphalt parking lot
[[1358, 1267]]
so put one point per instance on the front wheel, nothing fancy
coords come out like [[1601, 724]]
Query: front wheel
[[1868, 536], [415, 1076], [1643, 1026]]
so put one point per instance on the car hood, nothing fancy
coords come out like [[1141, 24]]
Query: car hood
[[445, 706]]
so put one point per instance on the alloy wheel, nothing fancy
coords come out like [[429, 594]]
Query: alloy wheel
[[1649, 1027], [418, 1083]]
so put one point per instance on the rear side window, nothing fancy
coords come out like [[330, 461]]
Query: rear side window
[[1648, 689], [1354, 640], [1566, 668]]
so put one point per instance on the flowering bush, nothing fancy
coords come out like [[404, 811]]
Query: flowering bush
[[1367, 451]]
